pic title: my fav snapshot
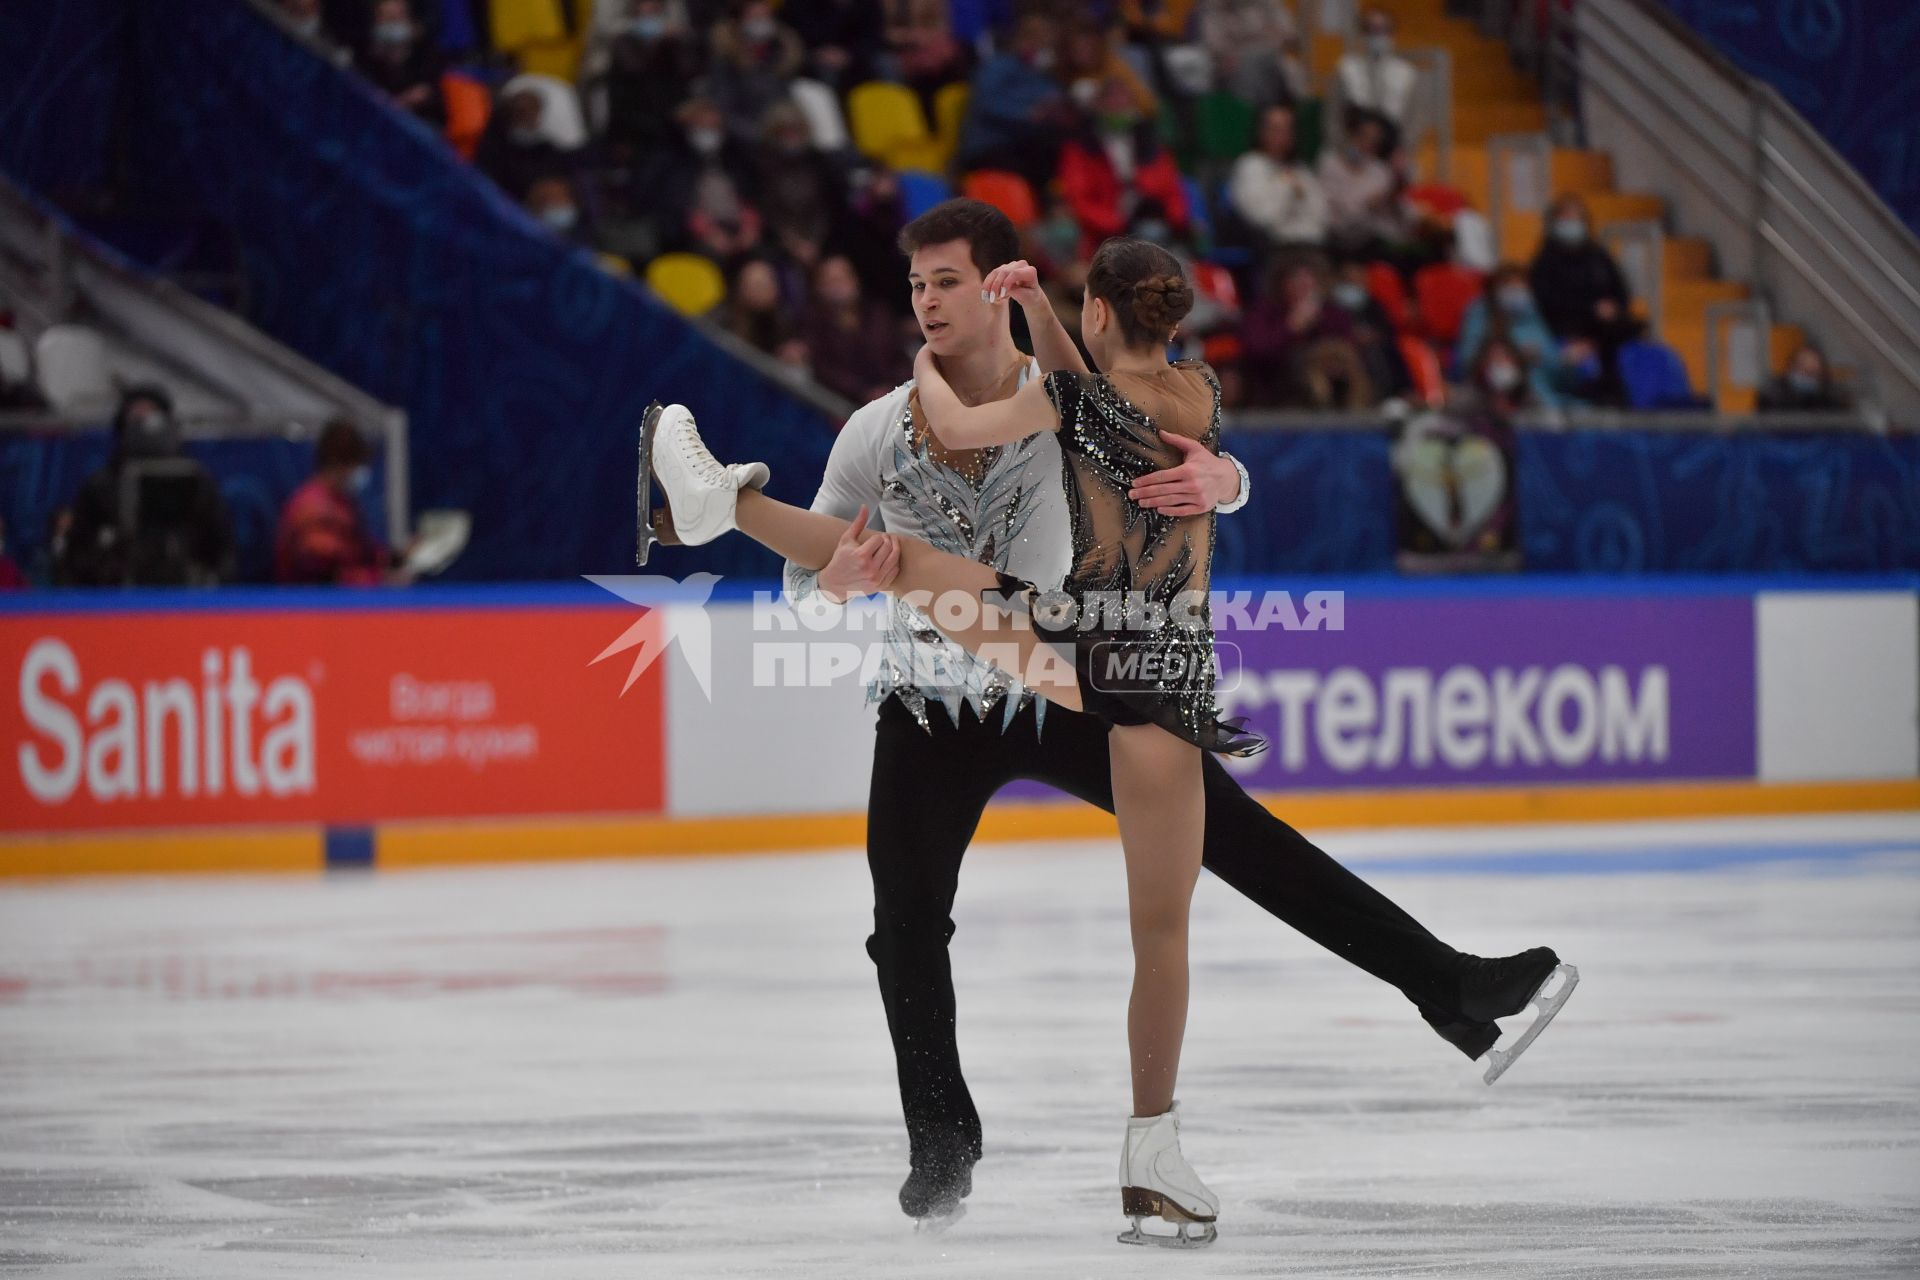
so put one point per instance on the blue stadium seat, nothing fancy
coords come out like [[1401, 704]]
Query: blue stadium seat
[[919, 192]]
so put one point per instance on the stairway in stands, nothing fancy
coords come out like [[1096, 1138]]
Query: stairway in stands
[[1491, 97]]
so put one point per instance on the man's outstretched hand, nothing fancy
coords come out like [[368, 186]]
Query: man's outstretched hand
[[862, 563], [1203, 481]]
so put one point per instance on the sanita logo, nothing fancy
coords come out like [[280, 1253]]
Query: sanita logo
[[163, 737]]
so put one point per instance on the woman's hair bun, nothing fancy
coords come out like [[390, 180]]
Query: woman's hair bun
[[1162, 301]]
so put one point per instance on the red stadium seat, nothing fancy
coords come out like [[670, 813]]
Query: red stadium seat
[[1007, 192]]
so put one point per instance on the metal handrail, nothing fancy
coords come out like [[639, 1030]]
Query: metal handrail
[[1652, 240]]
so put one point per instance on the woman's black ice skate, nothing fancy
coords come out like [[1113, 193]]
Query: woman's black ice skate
[[934, 1191], [1504, 987]]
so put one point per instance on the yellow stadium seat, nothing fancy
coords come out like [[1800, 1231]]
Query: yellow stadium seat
[[519, 23], [886, 118], [949, 113], [687, 282]]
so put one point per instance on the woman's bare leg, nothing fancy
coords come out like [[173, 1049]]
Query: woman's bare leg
[[1160, 801], [947, 588]]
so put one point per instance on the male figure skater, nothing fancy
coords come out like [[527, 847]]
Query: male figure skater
[[952, 729]]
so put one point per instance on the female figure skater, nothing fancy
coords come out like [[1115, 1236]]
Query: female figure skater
[[1130, 640]]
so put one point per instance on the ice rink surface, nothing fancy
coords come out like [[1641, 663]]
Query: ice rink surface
[[680, 1069]]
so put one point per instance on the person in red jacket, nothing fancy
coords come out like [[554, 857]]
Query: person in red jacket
[[323, 537], [1114, 164]]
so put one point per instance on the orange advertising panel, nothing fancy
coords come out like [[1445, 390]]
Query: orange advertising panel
[[333, 715]]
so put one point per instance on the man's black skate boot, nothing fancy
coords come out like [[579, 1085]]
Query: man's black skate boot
[[1469, 1037], [937, 1185], [1501, 987]]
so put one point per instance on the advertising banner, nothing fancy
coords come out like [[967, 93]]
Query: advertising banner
[[211, 716], [1415, 690]]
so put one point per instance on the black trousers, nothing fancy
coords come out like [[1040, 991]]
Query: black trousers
[[928, 792]]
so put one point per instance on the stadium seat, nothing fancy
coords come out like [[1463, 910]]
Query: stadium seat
[[1442, 294], [1655, 378], [468, 107], [1007, 192], [518, 23], [950, 113], [687, 282], [885, 117], [1423, 366], [821, 106], [74, 373], [919, 192], [1225, 127], [1383, 282]]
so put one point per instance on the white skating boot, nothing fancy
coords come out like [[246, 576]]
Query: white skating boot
[[1156, 1181], [700, 490]]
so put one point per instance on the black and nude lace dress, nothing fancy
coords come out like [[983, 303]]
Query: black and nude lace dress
[[1133, 613]]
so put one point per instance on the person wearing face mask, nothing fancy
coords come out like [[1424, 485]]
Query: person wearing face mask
[[855, 344], [1576, 283], [1363, 192], [1276, 195], [801, 191], [702, 188], [1017, 115], [553, 202], [1114, 165], [754, 55], [323, 539], [651, 66], [515, 151], [1371, 330], [1376, 80], [1505, 310], [400, 61], [192, 547], [1806, 386]]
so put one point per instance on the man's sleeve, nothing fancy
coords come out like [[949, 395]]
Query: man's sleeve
[[1246, 488], [852, 481]]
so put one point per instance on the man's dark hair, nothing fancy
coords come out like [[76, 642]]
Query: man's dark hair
[[341, 445], [989, 233]]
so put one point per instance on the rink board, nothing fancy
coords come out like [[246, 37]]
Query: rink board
[[297, 730]]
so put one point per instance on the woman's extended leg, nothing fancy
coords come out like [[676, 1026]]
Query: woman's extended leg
[[1161, 803], [951, 587]]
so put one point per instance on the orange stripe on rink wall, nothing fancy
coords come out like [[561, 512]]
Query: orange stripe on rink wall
[[227, 850], [495, 840]]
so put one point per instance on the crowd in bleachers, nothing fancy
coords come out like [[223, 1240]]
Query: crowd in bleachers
[[753, 161]]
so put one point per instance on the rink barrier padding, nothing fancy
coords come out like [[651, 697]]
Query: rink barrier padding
[[403, 845]]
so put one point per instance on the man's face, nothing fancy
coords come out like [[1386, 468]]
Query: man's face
[[946, 299]]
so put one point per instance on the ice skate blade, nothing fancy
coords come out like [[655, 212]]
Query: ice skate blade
[[1498, 1060], [937, 1223], [1179, 1240], [646, 539]]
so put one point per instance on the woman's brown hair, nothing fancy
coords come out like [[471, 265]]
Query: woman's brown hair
[[1144, 285]]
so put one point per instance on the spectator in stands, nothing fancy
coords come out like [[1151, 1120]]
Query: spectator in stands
[[183, 538], [552, 201], [323, 537], [1445, 287], [1017, 116], [1276, 195], [870, 234], [1503, 377], [752, 312], [307, 19], [923, 52], [1298, 348], [1805, 387], [1576, 283], [11, 579], [754, 56], [854, 344], [399, 60], [1505, 309], [843, 38], [1362, 190], [801, 193], [702, 186], [1253, 44], [1088, 61], [516, 151], [1377, 82], [1371, 330], [1113, 165], [651, 66]]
